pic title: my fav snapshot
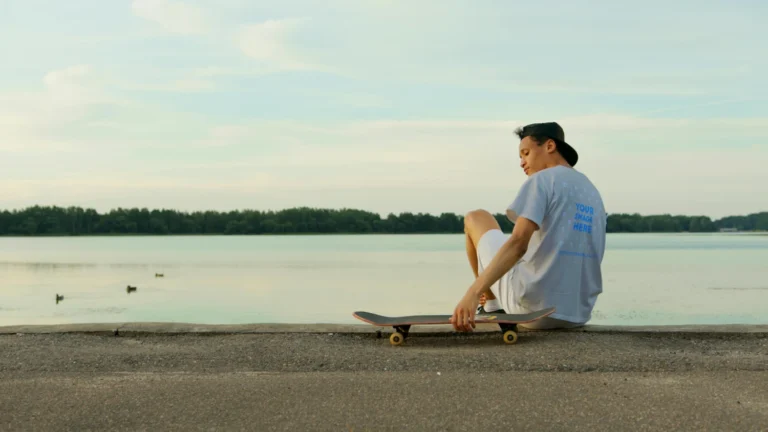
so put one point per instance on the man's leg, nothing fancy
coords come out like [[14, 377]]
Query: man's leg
[[471, 253], [476, 224], [472, 256]]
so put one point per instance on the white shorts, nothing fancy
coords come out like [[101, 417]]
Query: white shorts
[[487, 247]]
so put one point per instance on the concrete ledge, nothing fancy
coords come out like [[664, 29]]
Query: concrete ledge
[[692, 328], [191, 328], [61, 328]]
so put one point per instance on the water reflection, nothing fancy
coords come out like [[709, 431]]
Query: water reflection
[[292, 264], [57, 266], [230, 280], [740, 289]]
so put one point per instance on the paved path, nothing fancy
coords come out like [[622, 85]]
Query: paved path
[[354, 381]]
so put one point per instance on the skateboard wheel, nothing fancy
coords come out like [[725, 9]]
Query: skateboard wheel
[[510, 337], [396, 338]]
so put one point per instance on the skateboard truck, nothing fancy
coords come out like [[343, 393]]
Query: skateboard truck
[[399, 335], [510, 332]]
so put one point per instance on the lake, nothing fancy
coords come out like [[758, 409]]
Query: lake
[[651, 279]]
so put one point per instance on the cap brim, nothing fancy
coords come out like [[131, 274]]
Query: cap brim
[[569, 153]]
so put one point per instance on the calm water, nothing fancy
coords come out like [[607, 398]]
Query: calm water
[[648, 279]]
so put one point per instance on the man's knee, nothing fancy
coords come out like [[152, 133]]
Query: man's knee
[[476, 217], [478, 222]]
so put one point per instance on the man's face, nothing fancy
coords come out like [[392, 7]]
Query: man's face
[[534, 157]]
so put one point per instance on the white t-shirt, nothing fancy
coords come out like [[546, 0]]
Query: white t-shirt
[[562, 265]]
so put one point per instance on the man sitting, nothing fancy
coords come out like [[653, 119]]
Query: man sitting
[[554, 254]]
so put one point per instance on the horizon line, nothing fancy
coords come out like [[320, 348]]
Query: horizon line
[[245, 209]]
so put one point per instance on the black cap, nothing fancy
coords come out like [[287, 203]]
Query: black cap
[[555, 132]]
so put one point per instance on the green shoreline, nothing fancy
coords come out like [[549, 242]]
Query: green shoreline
[[76, 221]]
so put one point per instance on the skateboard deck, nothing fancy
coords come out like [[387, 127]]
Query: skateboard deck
[[402, 324]]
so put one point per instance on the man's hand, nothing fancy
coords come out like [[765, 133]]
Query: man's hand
[[463, 318], [509, 254]]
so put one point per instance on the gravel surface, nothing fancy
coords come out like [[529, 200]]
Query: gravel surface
[[302, 352], [303, 381]]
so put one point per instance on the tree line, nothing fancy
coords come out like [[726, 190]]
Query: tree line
[[39, 221]]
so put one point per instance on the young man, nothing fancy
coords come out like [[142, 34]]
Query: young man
[[554, 254]]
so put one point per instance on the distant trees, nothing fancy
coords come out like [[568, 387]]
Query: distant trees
[[662, 223], [39, 220], [752, 222]]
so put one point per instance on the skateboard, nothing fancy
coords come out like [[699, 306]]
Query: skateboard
[[402, 324]]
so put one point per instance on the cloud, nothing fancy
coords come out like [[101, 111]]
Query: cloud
[[72, 87], [421, 165], [623, 131], [271, 43], [181, 85], [438, 124], [474, 153], [191, 85], [94, 187], [617, 133], [172, 16], [65, 77], [705, 104], [77, 108], [33, 120], [218, 71]]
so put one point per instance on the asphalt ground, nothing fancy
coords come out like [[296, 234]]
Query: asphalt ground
[[693, 379]]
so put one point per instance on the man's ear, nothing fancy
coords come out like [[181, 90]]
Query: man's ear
[[551, 146]]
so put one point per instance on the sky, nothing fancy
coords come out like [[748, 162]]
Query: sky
[[386, 106]]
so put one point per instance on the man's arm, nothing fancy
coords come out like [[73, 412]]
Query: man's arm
[[509, 254]]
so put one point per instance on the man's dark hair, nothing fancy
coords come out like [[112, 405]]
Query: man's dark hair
[[538, 138], [541, 132]]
